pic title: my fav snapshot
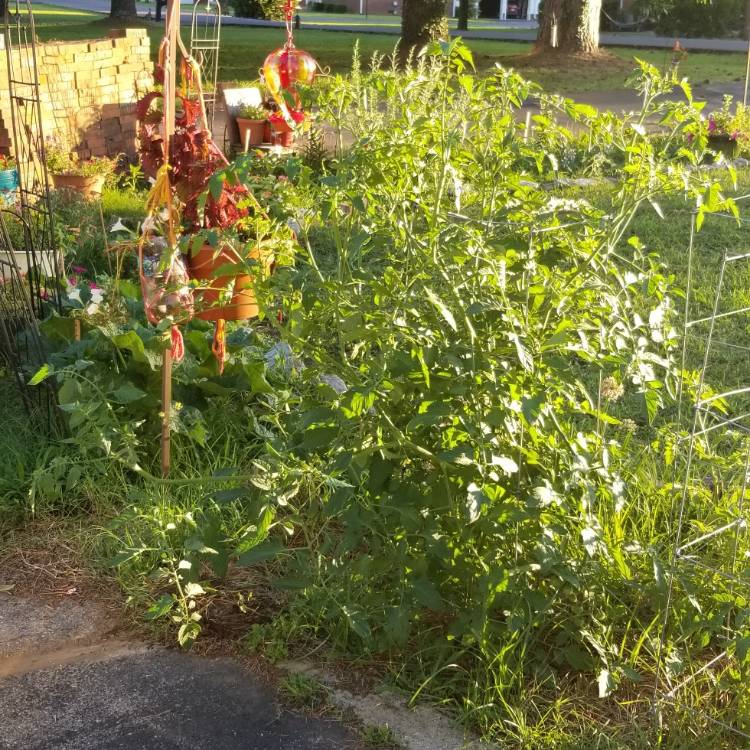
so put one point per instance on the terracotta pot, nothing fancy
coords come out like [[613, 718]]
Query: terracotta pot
[[203, 266], [282, 134], [255, 128], [87, 187]]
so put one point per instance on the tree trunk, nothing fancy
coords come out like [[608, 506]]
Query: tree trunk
[[123, 9], [463, 15], [159, 5], [569, 27], [746, 27], [421, 22]]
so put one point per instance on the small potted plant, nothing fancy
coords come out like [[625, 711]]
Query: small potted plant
[[251, 122], [8, 175], [729, 129], [83, 177]]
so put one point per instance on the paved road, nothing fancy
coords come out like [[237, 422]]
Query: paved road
[[67, 685], [615, 39]]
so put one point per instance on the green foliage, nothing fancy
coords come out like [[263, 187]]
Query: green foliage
[[60, 161], [329, 7], [252, 112], [432, 442], [732, 121], [270, 10], [693, 17]]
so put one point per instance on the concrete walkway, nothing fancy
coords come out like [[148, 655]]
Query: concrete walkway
[[520, 34]]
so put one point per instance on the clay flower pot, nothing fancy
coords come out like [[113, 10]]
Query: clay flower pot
[[86, 186], [210, 300], [255, 129], [281, 133]]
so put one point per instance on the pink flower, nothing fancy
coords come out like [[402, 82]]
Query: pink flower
[[93, 285], [72, 281], [711, 125], [79, 269]]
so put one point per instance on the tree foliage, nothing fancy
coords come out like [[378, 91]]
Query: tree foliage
[[422, 21], [270, 10], [695, 18]]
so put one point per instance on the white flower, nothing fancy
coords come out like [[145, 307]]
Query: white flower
[[611, 389], [119, 226]]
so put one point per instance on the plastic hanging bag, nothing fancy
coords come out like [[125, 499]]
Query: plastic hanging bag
[[165, 283]]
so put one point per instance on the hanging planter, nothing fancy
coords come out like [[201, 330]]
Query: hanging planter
[[229, 296]]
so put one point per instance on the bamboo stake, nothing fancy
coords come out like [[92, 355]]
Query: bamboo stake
[[166, 400], [170, 81]]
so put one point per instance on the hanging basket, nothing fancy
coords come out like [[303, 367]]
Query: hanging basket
[[211, 300]]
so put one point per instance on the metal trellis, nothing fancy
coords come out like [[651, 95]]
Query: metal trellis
[[712, 512], [31, 267], [44, 263], [205, 42]]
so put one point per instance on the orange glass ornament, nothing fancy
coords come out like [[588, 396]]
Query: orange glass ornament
[[287, 66]]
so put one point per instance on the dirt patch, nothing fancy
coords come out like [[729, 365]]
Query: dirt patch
[[577, 61], [73, 652], [46, 560]]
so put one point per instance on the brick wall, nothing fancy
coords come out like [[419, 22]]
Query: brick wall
[[88, 91]]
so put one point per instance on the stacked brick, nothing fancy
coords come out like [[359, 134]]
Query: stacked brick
[[88, 91]]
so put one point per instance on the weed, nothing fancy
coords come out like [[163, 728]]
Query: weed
[[379, 737], [304, 692]]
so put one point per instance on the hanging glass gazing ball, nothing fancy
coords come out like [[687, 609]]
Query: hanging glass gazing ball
[[287, 66]]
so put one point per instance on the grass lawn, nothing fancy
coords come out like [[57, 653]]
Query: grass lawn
[[244, 48]]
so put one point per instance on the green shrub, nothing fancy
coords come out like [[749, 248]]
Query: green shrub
[[329, 8], [694, 18], [433, 461], [269, 10]]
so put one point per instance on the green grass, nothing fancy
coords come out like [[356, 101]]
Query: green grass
[[379, 737], [244, 48]]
